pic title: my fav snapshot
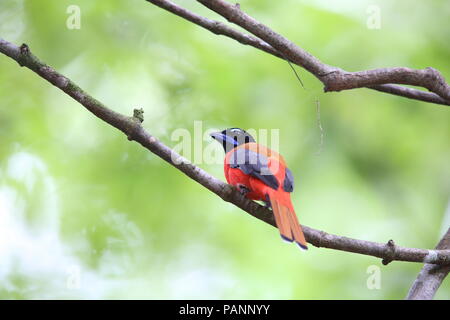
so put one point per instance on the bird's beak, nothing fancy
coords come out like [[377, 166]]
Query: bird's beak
[[217, 136], [227, 142]]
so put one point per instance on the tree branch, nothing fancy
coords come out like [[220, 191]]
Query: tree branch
[[133, 129], [334, 79], [431, 276]]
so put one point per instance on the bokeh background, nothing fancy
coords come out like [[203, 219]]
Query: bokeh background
[[84, 213]]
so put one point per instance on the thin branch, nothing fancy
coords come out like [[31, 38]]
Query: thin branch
[[431, 276], [334, 79], [410, 93], [216, 27], [133, 129]]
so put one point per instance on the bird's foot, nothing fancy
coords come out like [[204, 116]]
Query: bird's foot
[[243, 189]]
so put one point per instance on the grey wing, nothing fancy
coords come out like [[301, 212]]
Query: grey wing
[[254, 164], [288, 183]]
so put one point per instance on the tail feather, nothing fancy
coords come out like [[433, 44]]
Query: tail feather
[[281, 221], [287, 222], [297, 231]]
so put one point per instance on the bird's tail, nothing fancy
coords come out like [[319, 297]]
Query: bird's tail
[[286, 219]]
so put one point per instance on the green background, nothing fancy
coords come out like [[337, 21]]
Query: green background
[[84, 213]]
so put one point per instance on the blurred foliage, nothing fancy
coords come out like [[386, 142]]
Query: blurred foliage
[[84, 213]]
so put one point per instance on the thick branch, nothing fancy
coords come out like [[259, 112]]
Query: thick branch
[[431, 276], [131, 126], [334, 79]]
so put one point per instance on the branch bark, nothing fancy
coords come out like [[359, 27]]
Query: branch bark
[[431, 276], [334, 79], [133, 129]]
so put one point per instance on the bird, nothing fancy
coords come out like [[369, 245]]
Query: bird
[[261, 174]]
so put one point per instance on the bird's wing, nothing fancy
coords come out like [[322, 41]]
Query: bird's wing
[[288, 183], [253, 164]]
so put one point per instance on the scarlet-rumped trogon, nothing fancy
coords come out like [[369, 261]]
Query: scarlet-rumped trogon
[[261, 174]]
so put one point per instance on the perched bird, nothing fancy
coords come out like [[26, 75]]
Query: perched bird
[[261, 174]]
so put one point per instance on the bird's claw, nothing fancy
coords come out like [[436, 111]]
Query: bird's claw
[[243, 189]]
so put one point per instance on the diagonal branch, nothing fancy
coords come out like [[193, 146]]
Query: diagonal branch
[[216, 27], [431, 276], [132, 127], [334, 79]]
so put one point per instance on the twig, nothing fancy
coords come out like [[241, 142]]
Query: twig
[[133, 129]]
